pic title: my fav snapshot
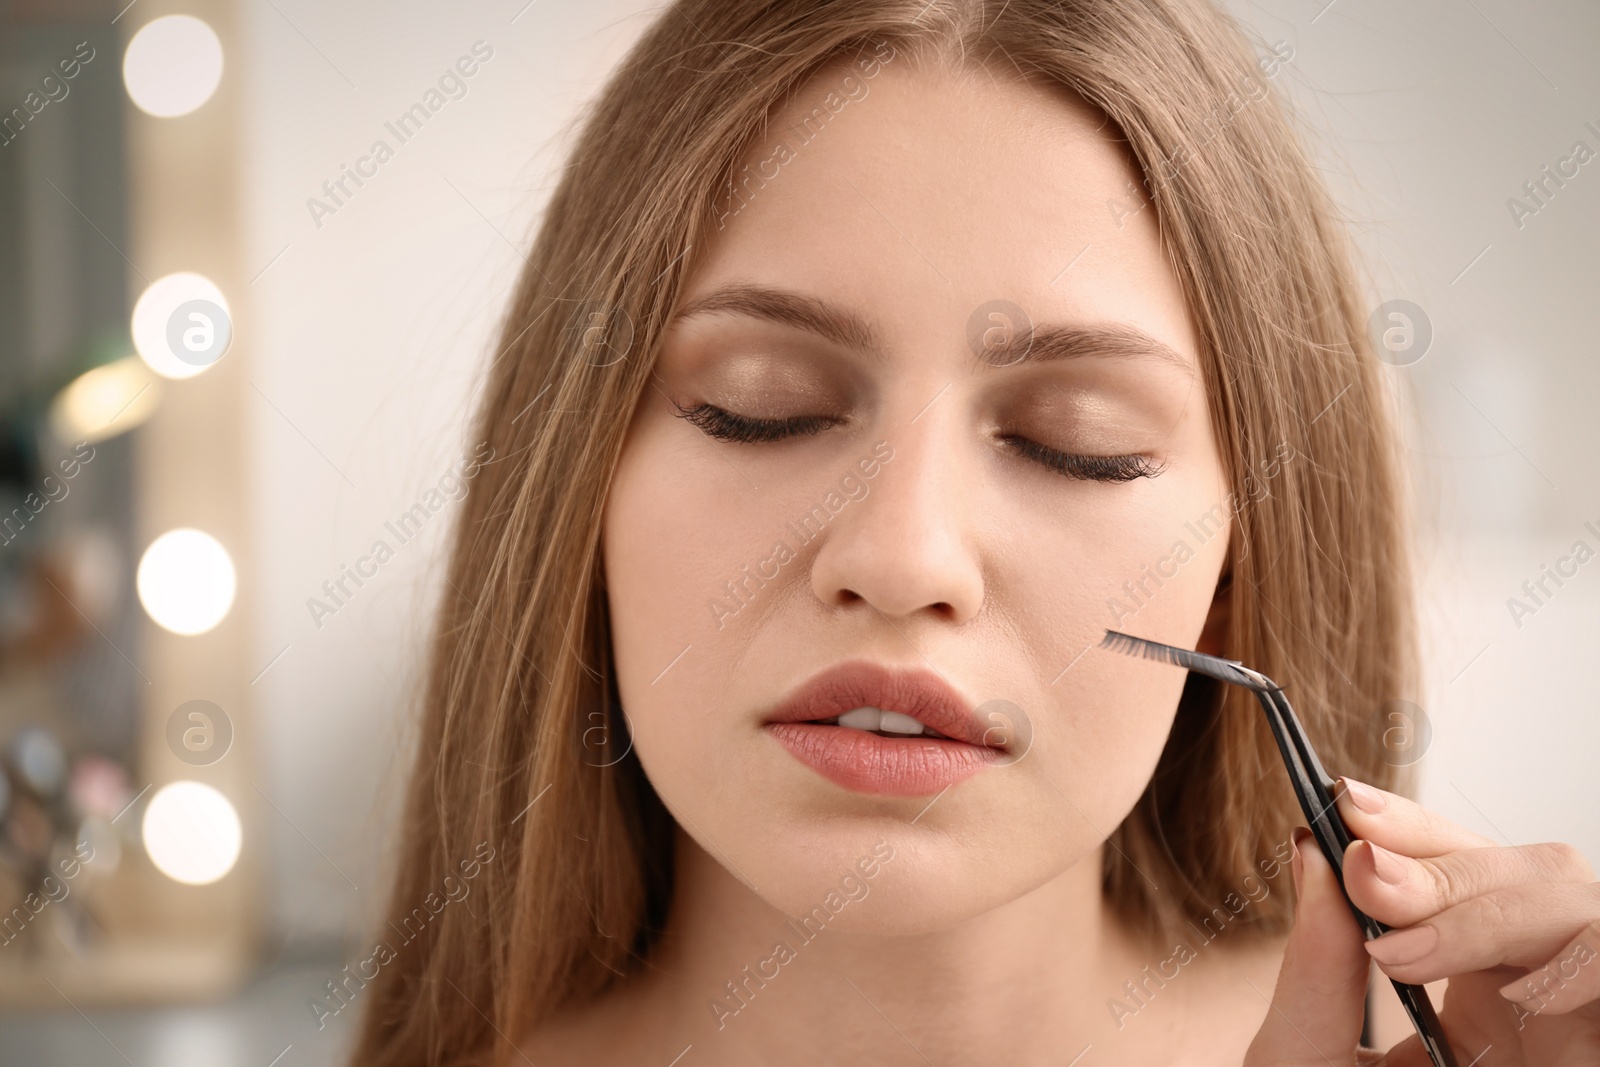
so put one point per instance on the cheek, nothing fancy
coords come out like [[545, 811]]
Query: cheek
[[1142, 557], [673, 539], [1146, 566], [676, 537], [1149, 571], [705, 547]]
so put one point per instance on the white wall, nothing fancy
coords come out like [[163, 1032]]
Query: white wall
[[367, 334], [1432, 116]]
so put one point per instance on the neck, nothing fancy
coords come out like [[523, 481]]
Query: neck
[[1021, 983]]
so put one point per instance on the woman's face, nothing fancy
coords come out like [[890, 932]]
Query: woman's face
[[997, 447]]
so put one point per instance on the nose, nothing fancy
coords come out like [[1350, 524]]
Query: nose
[[908, 546]]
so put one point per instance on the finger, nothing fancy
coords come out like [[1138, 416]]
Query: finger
[[1523, 926], [1315, 1013], [1401, 891], [1570, 980], [1399, 824], [1470, 1029]]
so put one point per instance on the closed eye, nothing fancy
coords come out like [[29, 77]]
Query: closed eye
[[726, 425], [1089, 468]]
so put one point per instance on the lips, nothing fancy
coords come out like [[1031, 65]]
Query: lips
[[805, 724]]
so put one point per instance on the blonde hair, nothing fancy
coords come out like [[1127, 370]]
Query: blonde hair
[[518, 675]]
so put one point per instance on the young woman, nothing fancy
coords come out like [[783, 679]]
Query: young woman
[[874, 358]]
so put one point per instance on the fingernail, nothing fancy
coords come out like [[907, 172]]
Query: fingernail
[[1404, 946], [1364, 796], [1522, 990], [1390, 868], [1297, 865]]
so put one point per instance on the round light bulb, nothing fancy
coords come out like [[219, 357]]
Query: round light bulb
[[186, 581], [105, 401], [191, 833], [172, 65], [181, 325]]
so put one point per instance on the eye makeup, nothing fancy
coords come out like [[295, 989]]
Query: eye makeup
[[729, 426], [1088, 418], [726, 425]]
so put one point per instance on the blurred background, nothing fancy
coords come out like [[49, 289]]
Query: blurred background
[[239, 342]]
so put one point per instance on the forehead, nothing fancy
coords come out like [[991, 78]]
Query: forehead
[[922, 194]]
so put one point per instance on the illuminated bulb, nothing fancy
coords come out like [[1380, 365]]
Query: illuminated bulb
[[172, 65], [186, 581], [191, 833], [105, 401], [181, 325]]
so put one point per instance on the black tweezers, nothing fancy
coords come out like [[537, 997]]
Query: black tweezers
[[1314, 788]]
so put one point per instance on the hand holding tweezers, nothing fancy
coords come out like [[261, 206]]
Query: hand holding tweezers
[[1313, 787]]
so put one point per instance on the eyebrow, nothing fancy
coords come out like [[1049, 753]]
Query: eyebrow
[[1037, 344]]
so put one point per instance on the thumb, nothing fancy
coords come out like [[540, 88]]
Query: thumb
[[1317, 1005]]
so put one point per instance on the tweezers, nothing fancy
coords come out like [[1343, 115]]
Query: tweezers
[[1315, 790]]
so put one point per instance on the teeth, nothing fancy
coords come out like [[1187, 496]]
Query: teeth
[[861, 718], [880, 721], [893, 722]]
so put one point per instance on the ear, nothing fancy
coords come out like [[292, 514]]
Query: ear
[[1213, 637]]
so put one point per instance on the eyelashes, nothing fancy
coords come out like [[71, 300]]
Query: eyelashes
[[725, 425], [1089, 468]]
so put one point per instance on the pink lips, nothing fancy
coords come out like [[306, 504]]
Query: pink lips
[[870, 763]]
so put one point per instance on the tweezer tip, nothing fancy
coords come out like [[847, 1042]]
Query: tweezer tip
[[1225, 670]]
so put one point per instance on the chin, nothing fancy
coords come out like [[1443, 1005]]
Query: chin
[[883, 874]]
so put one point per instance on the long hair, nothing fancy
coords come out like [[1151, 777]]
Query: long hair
[[518, 694]]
